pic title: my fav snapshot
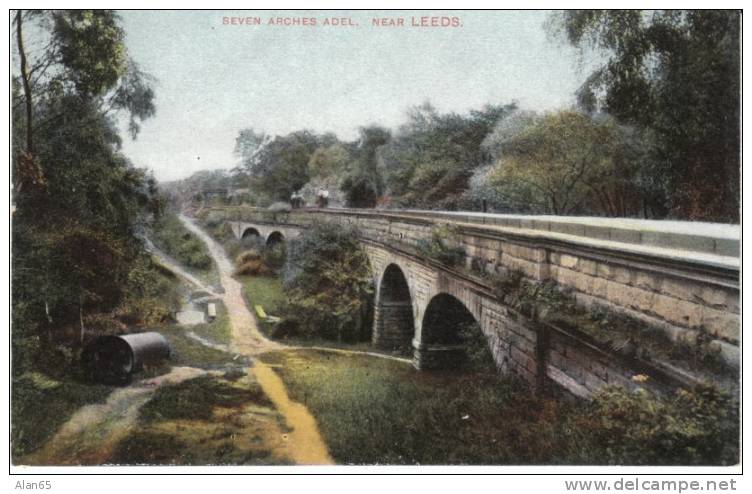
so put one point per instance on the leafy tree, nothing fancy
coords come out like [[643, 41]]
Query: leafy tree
[[84, 54], [248, 146], [568, 162], [431, 159], [80, 204], [328, 281], [327, 167], [278, 167], [676, 75], [330, 161], [364, 183]]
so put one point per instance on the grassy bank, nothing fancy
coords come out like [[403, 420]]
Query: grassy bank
[[41, 404], [377, 411], [266, 291]]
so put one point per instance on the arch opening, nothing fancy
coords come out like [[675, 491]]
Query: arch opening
[[251, 238], [394, 325], [451, 338], [250, 232], [275, 238]]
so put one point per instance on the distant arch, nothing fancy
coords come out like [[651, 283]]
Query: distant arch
[[394, 323], [250, 232], [274, 238]]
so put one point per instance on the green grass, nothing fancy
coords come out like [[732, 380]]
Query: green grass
[[188, 352], [266, 291], [377, 411], [40, 405], [171, 236], [195, 399], [218, 330]]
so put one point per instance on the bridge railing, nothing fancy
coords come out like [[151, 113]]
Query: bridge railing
[[713, 244]]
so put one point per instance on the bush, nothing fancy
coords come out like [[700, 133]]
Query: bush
[[478, 357], [692, 427], [151, 294], [251, 262], [274, 256]]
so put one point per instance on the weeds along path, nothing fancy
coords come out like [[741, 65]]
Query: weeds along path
[[90, 436], [176, 268], [305, 445]]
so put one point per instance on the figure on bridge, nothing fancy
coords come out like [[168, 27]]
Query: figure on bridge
[[322, 198], [296, 200]]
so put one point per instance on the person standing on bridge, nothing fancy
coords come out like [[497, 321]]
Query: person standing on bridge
[[322, 198], [296, 200]]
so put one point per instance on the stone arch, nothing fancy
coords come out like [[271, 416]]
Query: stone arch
[[250, 232], [442, 343], [274, 238], [394, 323]]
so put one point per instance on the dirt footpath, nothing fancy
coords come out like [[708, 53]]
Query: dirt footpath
[[89, 437], [305, 446]]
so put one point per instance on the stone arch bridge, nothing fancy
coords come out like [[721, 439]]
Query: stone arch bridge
[[681, 279]]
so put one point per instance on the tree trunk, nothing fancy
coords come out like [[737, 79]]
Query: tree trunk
[[81, 316], [26, 83]]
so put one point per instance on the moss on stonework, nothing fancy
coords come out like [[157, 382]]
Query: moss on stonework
[[550, 303]]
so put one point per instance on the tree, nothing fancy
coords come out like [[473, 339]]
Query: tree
[[676, 75], [568, 162], [431, 159], [80, 204], [84, 55], [330, 161], [283, 166], [248, 146], [364, 183]]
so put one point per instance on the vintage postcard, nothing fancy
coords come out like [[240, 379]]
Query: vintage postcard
[[375, 238]]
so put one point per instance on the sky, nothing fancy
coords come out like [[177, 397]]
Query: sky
[[214, 78]]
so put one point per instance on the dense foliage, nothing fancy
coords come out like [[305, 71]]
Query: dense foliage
[[442, 247], [675, 74], [692, 427], [570, 163], [80, 205], [328, 282]]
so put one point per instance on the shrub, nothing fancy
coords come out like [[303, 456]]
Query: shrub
[[250, 262], [151, 294], [274, 256], [248, 255], [693, 427], [478, 355], [439, 248]]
